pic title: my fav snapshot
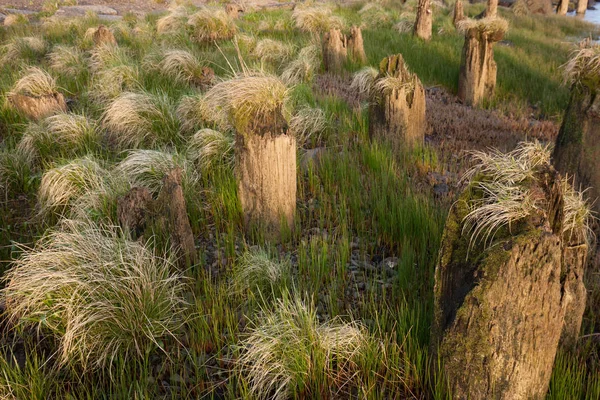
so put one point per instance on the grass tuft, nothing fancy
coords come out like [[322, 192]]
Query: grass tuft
[[35, 83], [208, 25], [208, 148], [179, 65], [583, 68], [245, 97], [493, 27], [175, 21], [307, 125], [23, 49], [316, 20], [62, 185], [60, 134], [303, 67], [507, 197], [364, 80], [288, 353], [67, 60], [136, 119], [273, 51], [147, 168], [257, 272], [103, 296]]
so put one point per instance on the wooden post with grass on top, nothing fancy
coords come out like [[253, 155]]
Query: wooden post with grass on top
[[478, 69], [265, 154]]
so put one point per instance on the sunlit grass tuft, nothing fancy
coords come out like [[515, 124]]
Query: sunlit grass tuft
[[209, 25], [101, 295], [21, 49], [136, 119], [209, 148]]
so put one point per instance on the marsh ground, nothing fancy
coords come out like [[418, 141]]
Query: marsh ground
[[369, 220]]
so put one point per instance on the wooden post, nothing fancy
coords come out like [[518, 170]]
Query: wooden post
[[398, 116], [335, 50], [424, 21], [266, 173], [356, 48], [478, 70]]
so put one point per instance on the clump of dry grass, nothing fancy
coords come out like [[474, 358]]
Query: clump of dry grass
[[583, 68], [519, 8], [207, 26], [492, 27], [287, 351], [578, 215], [375, 15], [62, 185], [191, 113], [389, 83], [107, 84], [209, 147], [19, 49], [244, 97], [35, 83], [179, 65], [135, 119], [174, 22], [273, 51], [364, 80], [246, 42], [58, 135], [256, 271], [507, 197], [303, 68], [406, 24], [316, 20], [101, 295], [106, 56], [15, 172], [307, 125], [15, 19], [147, 168], [67, 60]]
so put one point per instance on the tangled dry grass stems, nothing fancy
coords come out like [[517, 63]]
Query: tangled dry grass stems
[[35, 83], [287, 352], [62, 185], [243, 98], [108, 84], [303, 67], [504, 180], [256, 271], [147, 168], [135, 119], [106, 56], [491, 27], [20, 49], [176, 64], [58, 135], [208, 25], [67, 60], [307, 125], [519, 8], [174, 22], [101, 295], [363, 80], [208, 148], [583, 68], [273, 51], [405, 25], [316, 20]]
